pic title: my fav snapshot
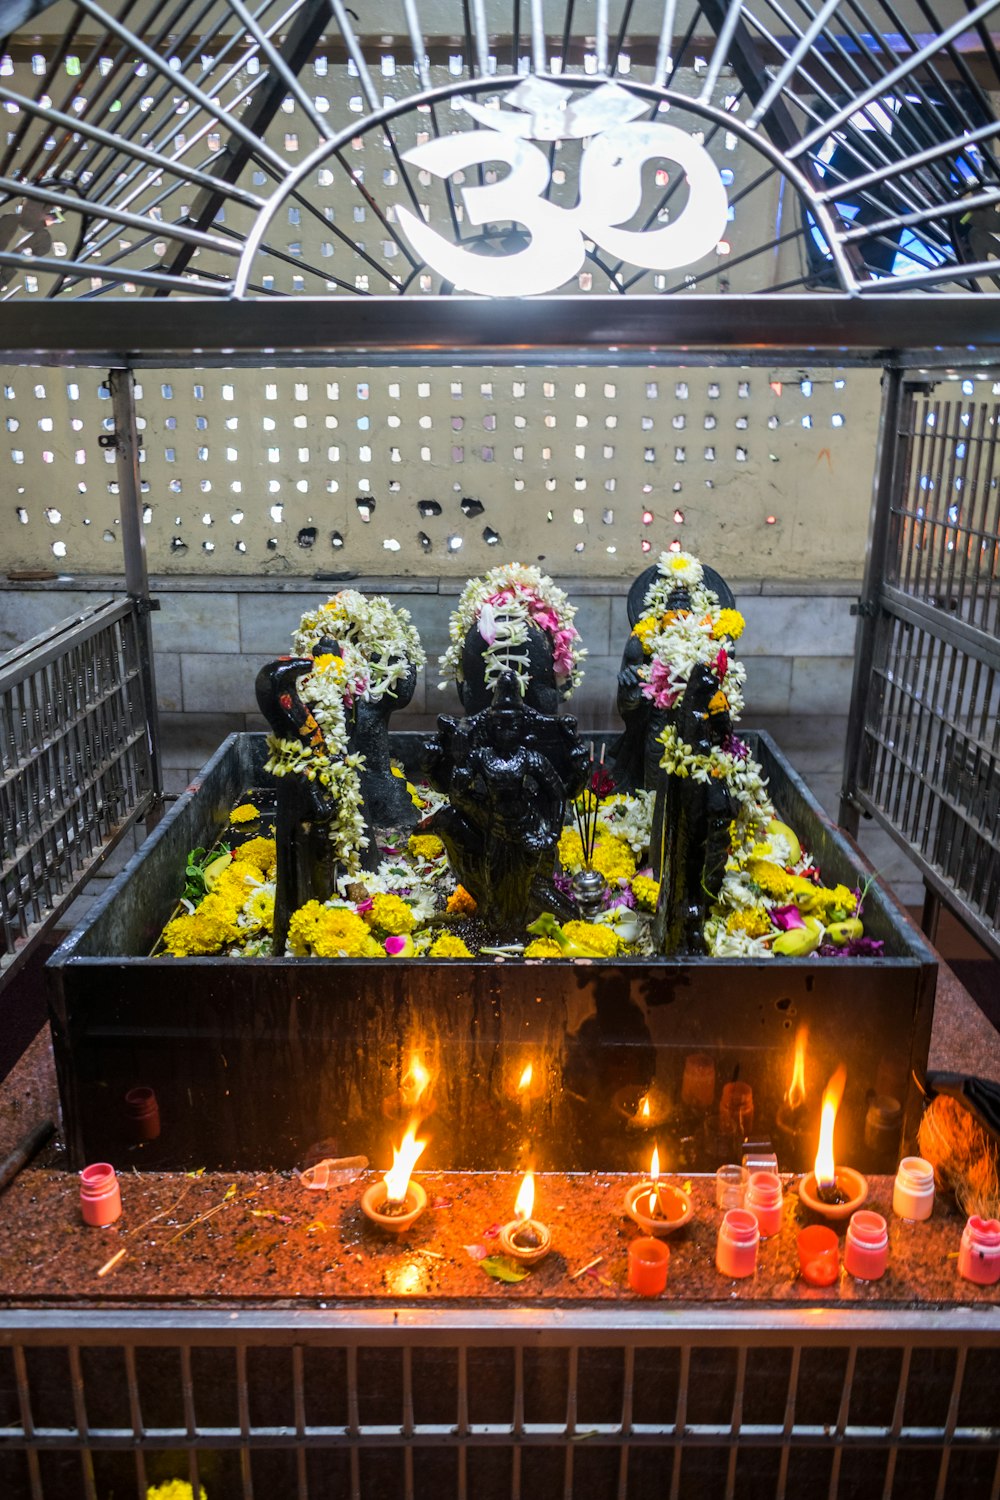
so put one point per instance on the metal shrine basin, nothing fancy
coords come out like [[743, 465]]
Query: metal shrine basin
[[270, 1063]]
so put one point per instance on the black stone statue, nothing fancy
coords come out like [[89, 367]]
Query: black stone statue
[[634, 756], [542, 691], [691, 818], [386, 799], [508, 770]]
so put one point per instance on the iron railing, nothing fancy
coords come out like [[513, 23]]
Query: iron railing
[[404, 1401], [76, 764], [924, 758]]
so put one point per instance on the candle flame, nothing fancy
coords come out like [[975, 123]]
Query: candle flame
[[643, 1110], [525, 1198], [654, 1166], [796, 1096], [397, 1179], [826, 1172], [415, 1081], [525, 1079]]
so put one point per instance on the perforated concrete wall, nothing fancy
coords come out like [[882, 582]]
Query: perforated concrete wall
[[446, 472]]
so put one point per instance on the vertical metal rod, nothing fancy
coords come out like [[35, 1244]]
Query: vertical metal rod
[[82, 1426], [572, 1382], [407, 1423], [798, 52], [665, 45], [887, 463], [539, 61], [135, 1417], [299, 1406], [190, 1423], [602, 36], [897, 1422], [420, 61], [788, 1425], [517, 1424], [27, 1424], [481, 34], [843, 1413], [736, 1421], [680, 1421], [462, 1418], [724, 40], [353, 1420], [122, 386], [243, 1410], [941, 1491]]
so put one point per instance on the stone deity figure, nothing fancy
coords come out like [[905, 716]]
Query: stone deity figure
[[691, 820]]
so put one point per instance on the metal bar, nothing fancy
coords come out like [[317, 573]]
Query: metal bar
[[116, 215], [889, 80], [774, 90], [953, 271], [539, 58], [680, 1420], [913, 163], [122, 386], [27, 1425], [664, 64], [937, 212], [886, 479]]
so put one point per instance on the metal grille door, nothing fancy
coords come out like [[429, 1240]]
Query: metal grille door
[[924, 756]]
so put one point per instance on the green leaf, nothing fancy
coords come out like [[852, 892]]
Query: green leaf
[[502, 1269]]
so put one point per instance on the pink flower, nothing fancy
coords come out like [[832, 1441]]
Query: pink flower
[[543, 616], [721, 664], [562, 651], [488, 623], [395, 945], [786, 917], [661, 686]]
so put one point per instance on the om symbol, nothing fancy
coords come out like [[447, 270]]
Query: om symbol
[[610, 193]]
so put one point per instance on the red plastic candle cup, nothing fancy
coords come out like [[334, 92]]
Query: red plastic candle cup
[[648, 1260], [143, 1113], [736, 1247], [819, 1256], [866, 1249], [979, 1252], [764, 1200], [100, 1195], [736, 1109]]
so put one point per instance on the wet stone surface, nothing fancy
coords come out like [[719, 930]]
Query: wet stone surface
[[264, 1238]]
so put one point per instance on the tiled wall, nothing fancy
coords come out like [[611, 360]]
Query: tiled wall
[[211, 637]]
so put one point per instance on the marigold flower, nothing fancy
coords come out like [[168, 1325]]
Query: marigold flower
[[245, 813], [754, 921], [646, 891], [613, 858], [425, 846], [462, 902], [448, 945], [259, 852], [328, 932], [389, 915], [543, 947], [601, 941], [729, 624]]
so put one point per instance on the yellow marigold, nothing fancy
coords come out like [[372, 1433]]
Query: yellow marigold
[[415, 796], [755, 922], [174, 1489], [771, 878], [600, 940], [543, 947], [831, 904], [261, 853], [613, 858], [448, 946], [646, 891], [425, 846], [645, 629], [389, 915], [327, 932], [245, 813], [462, 901], [570, 850], [327, 659], [206, 930], [729, 623], [236, 882]]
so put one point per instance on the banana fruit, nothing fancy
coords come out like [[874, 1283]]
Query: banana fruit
[[799, 942]]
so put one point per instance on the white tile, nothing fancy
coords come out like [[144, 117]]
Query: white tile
[[196, 622]]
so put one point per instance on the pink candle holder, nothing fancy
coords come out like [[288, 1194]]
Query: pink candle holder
[[979, 1252], [765, 1199], [736, 1247], [819, 1255], [100, 1195], [866, 1248]]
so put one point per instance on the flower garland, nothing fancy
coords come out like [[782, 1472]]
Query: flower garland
[[503, 605], [676, 640], [379, 643]]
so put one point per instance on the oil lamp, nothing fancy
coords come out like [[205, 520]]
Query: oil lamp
[[831, 1191], [525, 1239], [658, 1208], [396, 1202]]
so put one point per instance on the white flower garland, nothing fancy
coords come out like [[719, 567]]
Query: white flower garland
[[532, 599], [380, 643]]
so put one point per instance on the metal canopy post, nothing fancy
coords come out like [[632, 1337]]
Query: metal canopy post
[[121, 384]]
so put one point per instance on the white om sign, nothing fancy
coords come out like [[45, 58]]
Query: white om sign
[[610, 193]]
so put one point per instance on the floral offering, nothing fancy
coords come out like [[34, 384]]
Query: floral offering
[[502, 606], [682, 626]]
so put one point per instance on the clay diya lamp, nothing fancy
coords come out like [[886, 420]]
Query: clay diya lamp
[[832, 1192], [658, 1208], [525, 1239], [395, 1203]]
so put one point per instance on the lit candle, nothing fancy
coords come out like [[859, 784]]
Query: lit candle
[[395, 1202], [657, 1208], [835, 1192], [525, 1239]]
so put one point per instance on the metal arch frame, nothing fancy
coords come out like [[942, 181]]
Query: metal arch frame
[[820, 210]]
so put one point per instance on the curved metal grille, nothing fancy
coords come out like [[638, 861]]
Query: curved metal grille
[[146, 144]]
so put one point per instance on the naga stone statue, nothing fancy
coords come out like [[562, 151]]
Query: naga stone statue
[[691, 819], [541, 690], [307, 864], [508, 770], [634, 757]]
